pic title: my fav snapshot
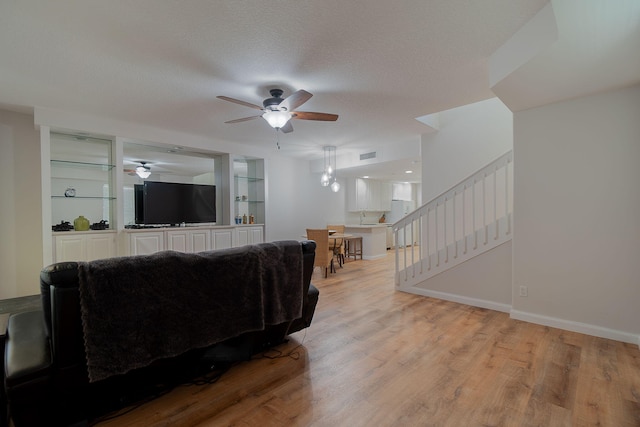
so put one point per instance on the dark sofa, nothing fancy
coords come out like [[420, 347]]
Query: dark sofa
[[66, 365]]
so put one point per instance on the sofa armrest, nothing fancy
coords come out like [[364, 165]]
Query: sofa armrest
[[28, 369], [27, 351]]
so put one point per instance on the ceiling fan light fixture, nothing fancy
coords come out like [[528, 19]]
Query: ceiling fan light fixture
[[276, 118], [143, 171]]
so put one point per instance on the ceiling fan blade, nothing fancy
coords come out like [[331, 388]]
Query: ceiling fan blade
[[287, 128], [295, 100], [308, 115], [237, 101], [244, 119]]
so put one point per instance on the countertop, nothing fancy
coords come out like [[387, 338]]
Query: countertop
[[377, 225]]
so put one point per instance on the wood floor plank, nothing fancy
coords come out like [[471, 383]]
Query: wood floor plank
[[377, 357]]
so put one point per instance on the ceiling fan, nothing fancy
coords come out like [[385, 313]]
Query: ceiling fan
[[143, 171], [278, 111]]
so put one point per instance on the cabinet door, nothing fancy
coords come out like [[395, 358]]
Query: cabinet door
[[146, 243], [358, 195], [222, 239], [100, 246], [178, 240], [255, 235], [363, 194], [243, 236], [200, 240], [71, 247], [385, 196], [373, 193]]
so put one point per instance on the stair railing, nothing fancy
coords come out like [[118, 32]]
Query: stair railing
[[472, 217]]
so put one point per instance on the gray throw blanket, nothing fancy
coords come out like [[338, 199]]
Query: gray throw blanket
[[143, 308]]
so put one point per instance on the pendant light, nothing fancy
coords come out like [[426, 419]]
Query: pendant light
[[329, 171]]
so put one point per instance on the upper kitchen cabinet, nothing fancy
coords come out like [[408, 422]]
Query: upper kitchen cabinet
[[402, 191], [81, 179], [368, 195]]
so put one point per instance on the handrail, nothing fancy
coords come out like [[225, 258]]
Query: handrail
[[469, 218]]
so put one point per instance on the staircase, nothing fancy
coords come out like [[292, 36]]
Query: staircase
[[465, 221]]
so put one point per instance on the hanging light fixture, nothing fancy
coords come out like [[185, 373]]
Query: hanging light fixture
[[143, 171], [329, 171]]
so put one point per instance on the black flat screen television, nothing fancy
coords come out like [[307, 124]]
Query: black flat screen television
[[174, 203]]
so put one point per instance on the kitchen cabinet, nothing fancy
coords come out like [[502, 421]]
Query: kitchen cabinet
[[402, 191], [368, 195]]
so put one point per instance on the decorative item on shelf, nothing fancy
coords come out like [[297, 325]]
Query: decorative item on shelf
[[63, 226], [81, 223], [244, 218], [252, 219], [237, 198], [244, 198], [238, 219], [382, 219], [70, 192], [102, 225]]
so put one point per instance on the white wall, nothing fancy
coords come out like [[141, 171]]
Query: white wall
[[469, 138], [297, 201], [577, 214], [20, 207]]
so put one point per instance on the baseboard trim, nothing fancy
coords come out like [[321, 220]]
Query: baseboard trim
[[583, 328], [567, 325], [476, 302]]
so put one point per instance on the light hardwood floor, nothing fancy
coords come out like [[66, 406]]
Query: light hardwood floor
[[377, 357]]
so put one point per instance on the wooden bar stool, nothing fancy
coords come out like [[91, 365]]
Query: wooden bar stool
[[353, 247]]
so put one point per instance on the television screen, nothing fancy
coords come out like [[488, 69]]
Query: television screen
[[174, 203]]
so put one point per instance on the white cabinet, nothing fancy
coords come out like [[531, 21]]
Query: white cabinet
[[75, 246], [249, 235], [402, 191], [146, 243], [368, 195], [184, 240], [222, 238]]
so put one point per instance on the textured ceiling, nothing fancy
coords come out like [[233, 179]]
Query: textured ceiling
[[378, 64], [162, 63]]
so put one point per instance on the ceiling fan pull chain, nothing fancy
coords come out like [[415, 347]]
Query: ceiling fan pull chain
[[278, 138]]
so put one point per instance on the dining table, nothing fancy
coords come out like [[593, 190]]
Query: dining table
[[333, 237]]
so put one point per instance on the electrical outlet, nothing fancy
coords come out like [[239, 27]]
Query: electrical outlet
[[523, 291]]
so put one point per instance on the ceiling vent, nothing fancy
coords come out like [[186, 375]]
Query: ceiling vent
[[371, 155]]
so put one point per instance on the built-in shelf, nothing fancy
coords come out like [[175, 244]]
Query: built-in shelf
[[248, 175], [83, 197], [82, 165], [248, 178]]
